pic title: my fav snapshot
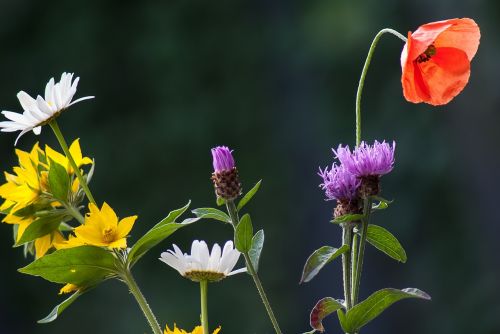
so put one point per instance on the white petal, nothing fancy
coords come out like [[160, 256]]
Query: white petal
[[213, 263], [27, 102], [22, 133], [204, 255], [44, 106], [234, 272], [16, 117], [37, 130], [49, 88], [230, 261], [81, 99], [172, 261]]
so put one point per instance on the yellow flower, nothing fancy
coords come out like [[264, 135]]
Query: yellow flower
[[24, 187], [70, 243], [101, 228], [68, 288], [46, 242], [62, 160], [196, 330]]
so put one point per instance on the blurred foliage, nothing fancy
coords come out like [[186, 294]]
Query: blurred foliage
[[275, 80]]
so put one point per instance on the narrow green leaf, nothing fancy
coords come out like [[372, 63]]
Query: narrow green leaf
[[40, 227], [323, 308], [347, 218], [56, 311], [373, 306], [220, 201], [248, 196], [153, 237], [172, 216], [58, 181], [82, 266], [256, 249], [211, 213], [318, 259], [387, 243], [243, 234]]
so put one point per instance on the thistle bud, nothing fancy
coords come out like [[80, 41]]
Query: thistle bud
[[225, 176]]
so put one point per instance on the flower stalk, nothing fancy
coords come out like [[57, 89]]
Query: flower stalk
[[60, 138], [363, 76], [127, 277], [367, 207], [204, 306], [346, 263], [233, 214]]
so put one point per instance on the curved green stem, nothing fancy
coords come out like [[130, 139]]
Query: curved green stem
[[60, 138], [361, 252], [127, 277], [233, 214], [363, 76], [346, 264], [74, 212], [204, 306], [354, 259]]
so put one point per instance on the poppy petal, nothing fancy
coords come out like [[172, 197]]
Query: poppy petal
[[445, 75], [464, 34]]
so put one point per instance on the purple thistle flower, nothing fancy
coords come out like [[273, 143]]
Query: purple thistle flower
[[222, 158], [225, 176], [339, 184], [366, 160]]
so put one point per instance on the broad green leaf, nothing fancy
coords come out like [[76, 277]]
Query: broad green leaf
[[318, 259], [40, 227], [248, 196], [243, 234], [347, 218], [58, 181], [220, 201], [211, 213], [153, 237], [373, 306], [56, 311], [384, 241], [82, 266], [342, 319], [256, 249], [323, 308]]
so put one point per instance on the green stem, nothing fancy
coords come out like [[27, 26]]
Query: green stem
[[233, 214], [346, 264], [143, 304], [204, 306], [361, 252], [363, 76], [354, 258], [74, 212], [57, 131]]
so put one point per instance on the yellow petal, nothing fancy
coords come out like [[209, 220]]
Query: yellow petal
[[56, 156], [109, 215], [120, 243], [68, 288], [125, 226], [42, 245]]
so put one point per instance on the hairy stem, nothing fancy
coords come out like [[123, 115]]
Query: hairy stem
[[127, 277], [346, 264], [60, 138], [233, 214], [367, 207], [363, 76]]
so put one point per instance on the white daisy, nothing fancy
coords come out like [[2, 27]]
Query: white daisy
[[200, 265], [39, 112]]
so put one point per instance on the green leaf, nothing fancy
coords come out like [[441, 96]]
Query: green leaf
[[82, 266], [347, 218], [323, 308], [248, 196], [220, 201], [373, 306], [384, 241], [318, 259], [342, 319], [58, 181], [40, 227], [158, 233], [382, 203], [243, 234], [256, 249], [56, 311], [211, 213]]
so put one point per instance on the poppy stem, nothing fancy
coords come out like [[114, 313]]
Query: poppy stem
[[363, 76]]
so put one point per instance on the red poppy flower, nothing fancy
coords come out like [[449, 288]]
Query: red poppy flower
[[436, 60]]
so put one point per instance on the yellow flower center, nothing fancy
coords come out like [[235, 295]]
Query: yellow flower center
[[108, 234]]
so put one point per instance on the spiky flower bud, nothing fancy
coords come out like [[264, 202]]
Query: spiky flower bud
[[225, 176]]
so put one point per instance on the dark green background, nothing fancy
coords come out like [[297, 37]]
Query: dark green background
[[274, 80]]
